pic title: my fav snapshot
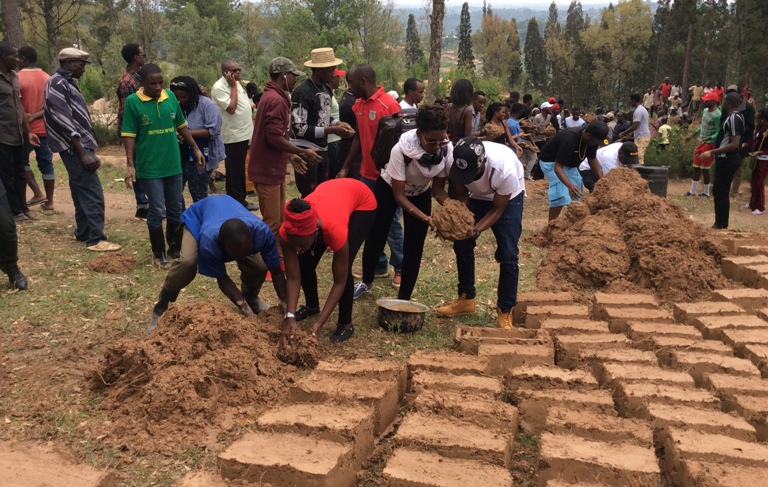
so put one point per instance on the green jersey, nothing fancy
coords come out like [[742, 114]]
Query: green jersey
[[153, 123], [710, 126]]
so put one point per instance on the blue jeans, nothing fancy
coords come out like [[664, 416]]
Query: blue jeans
[[507, 231], [43, 156], [141, 195], [165, 199], [394, 239], [88, 198]]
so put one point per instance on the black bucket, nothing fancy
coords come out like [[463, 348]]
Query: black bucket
[[657, 177]]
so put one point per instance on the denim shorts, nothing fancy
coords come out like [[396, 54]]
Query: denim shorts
[[558, 193]]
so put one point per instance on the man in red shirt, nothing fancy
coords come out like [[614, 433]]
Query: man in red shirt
[[665, 88], [32, 82], [719, 91]]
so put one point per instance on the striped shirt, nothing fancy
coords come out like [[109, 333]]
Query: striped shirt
[[66, 114]]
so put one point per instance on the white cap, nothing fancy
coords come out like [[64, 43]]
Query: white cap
[[393, 94], [546, 104]]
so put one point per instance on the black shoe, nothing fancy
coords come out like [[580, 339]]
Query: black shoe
[[303, 312], [141, 214], [342, 334], [18, 280]]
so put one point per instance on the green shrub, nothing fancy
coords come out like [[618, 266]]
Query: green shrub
[[92, 84], [105, 134], [678, 156]]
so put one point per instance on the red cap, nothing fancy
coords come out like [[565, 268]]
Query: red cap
[[552, 99], [300, 224], [711, 96], [340, 73], [555, 107]]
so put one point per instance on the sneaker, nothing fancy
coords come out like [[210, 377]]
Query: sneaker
[[396, 280], [459, 306], [703, 195], [342, 334], [746, 207], [104, 246], [251, 207], [360, 289], [689, 194], [503, 320], [758, 212], [141, 214], [379, 275], [152, 323], [304, 312]]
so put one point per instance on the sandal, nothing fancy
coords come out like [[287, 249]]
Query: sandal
[[303, 312], [37, 201]]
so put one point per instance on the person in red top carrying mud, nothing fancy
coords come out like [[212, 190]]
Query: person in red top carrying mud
[[336, 216]]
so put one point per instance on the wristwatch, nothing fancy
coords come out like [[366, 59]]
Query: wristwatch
[[289, 315]]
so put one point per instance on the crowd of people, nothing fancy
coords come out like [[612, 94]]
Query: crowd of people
[[459, 149]]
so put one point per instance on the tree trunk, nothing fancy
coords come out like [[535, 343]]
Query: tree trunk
[[687, 62], [51, 35], [14, 28], [435, 45]]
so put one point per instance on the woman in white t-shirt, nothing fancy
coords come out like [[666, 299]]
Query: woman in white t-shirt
[[416, 172]]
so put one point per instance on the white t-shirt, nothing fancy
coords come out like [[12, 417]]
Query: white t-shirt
[[570, 122], [405, 105], [607, 156], [418, 178], [503, 174], [641, 116]]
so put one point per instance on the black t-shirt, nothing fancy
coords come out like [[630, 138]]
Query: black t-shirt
[[564, 148], [311, 108]]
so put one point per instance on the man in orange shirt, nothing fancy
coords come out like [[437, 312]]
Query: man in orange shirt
[[32, 82], [372, 104]]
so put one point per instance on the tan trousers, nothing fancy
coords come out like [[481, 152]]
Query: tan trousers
[[271, 204], [253, 271], [642, 146]]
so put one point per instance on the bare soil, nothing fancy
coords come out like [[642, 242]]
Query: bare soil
[[113, 263], [622, 238], [453, 220]]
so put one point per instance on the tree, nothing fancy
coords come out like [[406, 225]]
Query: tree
[[466, 58], [150, 22], [498, 46], [55, 16], [435, 44], [12, 23], [551, 41], [535, 58], [413, 52]]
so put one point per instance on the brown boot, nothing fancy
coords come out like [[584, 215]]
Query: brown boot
[[459, 306], [503, 320], [50, 185]]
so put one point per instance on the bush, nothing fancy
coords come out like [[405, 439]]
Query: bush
[[105, 134], [678, 156], [92, 84]]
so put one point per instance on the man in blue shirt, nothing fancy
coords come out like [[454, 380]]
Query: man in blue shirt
[[217, 230]]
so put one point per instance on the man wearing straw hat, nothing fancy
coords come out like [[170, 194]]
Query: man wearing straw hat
[[311, 115]]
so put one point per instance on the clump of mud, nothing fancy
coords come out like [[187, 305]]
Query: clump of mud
[[301, 352], [453, 220], [199, 365], [113, 263], [623, 238]]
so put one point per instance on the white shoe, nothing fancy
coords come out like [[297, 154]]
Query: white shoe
[[758, 212], [745, 207], [104, 246]]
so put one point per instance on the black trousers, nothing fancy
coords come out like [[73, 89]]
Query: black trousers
[[316, 174], [359, 225], [9, 246], [725, 169], [12, 162], [414, 234], [235, 167]]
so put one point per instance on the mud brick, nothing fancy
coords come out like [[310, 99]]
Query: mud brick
[[383, 370], [454, 438], [557, 326], [417, 468], [204, 478], [381, 395], [751, 250], [664, 346], [325, 421], [632, 398], [625, 300], [733, 239], [571, 458], [684, 312], [502, 356], [755, 411], [598, 426], [642, 330], [712, 326], [734, 267], [762, 313], [448, 362], [739, 338], [543, 377], [467, 406], [468, 338], [699, 420], [591, 356], [718, 474], [289, 459], [569, 345], [749, 299], [752, 274], [31, 465], [619, 318], [536, 314], [758, 354], [429, 381], [684, 445], [537, 298], [563, 483], [697, 364], [728, 385], [534, 404], [611, 374]]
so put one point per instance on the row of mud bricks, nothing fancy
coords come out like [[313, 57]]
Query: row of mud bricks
[[619, 392]]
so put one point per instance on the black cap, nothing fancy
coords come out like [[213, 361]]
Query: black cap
[[599, 132], [629, 150], [468, 154]]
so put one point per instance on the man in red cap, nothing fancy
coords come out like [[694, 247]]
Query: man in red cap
[[334, 164], [708, 130]]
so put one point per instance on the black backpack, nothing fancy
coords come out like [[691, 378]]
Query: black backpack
[[388, 133]]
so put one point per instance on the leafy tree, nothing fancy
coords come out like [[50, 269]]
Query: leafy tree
[[465, 57], [535, 57], [551, 42], [498, 46], [195, 46], [435, 44], [413, 52]]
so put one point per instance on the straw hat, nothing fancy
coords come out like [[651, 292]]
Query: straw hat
[[323, 57]]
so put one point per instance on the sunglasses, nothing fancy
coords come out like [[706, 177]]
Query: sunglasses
[[434, 143]]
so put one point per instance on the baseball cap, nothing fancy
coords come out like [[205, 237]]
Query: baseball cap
[[339, 72], [711, 96], [546, 104], [609, 116], [733, 88], [283, 65], [73, 53], [555, 107], [552, 99], [629, 149], [393, 94], [599, 131], [467, 156]]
